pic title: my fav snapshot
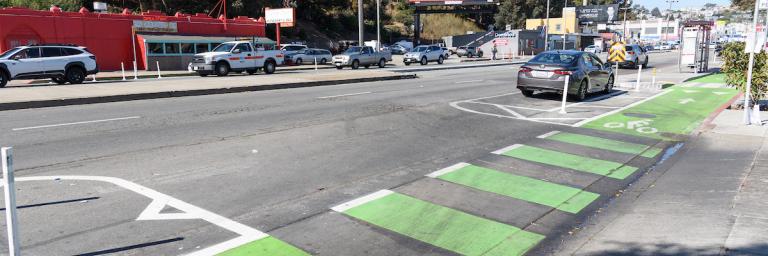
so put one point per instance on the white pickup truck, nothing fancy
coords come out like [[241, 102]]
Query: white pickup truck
[[236, 56]]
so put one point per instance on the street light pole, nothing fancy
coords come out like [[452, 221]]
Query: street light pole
[[546, 30], [624, 34], [378, 25], [748, 91], [360, 22], [669, 11], [565, 33]]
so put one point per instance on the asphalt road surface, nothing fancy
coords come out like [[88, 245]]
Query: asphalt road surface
[[274, 161]]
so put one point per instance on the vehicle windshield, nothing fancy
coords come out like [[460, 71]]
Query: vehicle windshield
[[554, 58], [355, 49], [224, 48], [8, 53], [421, 49]]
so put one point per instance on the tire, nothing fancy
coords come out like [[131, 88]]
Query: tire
[[355, 64], [221, 69], [323, 61], [645, 63], [382, 63], [609, 85], [75, 75], [3, 79], [269, 67], [299, 61], [440, 60], [423, 61], [581, 95], [526, 93], [59, 80]]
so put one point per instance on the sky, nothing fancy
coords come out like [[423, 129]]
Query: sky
[[662, 4]]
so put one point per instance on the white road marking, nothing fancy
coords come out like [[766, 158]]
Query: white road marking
[[518, 115], [612, 94], [343, 95], [546, 135], [557, 118], [509, 106], [362, 200], [501, 151], [455, 105], [152, 212], [449, 169], [247, 234], [579, 124], [75, 123], [469, 81]]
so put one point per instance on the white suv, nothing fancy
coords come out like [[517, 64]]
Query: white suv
[[60, 63]]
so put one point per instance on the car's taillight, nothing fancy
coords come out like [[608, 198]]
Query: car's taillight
[[630, 52], [563, 72], [525, 70]]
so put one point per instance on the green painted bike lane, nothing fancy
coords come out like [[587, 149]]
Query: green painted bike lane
[[677, 111]]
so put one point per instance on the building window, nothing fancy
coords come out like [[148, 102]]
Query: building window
[[171, 48], [187, 48], [201, 48], [155, 48]]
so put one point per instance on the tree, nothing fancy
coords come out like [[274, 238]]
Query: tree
[[656, 12], [743, 4], [735, 63]]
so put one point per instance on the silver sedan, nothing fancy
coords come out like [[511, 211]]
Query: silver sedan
[[547, 72]]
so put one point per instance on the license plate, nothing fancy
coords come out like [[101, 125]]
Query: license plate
[[542, 74], [338, 64], [196, 68]]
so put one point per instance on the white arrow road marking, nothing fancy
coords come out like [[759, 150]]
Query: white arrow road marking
[[636, 124], [720, 93], [159, 200], [686, 101]]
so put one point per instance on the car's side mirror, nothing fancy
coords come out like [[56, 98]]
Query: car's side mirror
[[236, 51]]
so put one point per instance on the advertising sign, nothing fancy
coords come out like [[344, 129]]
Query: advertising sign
[[284, 16], [452, 2], [597, 13], [155, 26]]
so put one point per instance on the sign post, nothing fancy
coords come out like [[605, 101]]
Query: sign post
[[616, 54], [10, 202], [281, 17], [752, 35]]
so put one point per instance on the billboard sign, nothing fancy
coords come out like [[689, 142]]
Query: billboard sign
[[155, 26], [285, 16], [597, 13], [452, 2]]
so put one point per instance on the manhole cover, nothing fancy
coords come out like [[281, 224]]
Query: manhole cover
[[640, 115]]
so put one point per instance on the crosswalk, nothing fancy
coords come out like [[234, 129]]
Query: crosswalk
[[487, 207]]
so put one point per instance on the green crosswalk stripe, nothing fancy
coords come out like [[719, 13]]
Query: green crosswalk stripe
[[563, 198], [268, 246], [571, 161], [606, 144], [444, 227]]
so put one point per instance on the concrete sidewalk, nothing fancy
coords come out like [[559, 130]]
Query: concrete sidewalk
[[61, 95], [708, 199]]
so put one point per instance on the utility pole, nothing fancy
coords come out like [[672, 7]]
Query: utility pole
[[669, 15], [360, 22], [378, 25], [748, 91], [565, 33], [546, 30], [624, 34]]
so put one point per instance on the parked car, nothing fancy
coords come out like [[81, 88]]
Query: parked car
[[665, 47], [648, 48], [61, 63], [469, 51], [446, 52], [398, 49], [547, 71], [365, 56], [237, 56], [309, 56], [593, 49], [424, 54], [292, 48], [636, 55]]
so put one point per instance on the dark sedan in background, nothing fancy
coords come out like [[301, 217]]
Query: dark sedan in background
[[546, 72]]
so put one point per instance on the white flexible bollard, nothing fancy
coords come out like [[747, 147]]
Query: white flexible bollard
[[653, 78], [315, 63], [565, 95], [94, 78], [9, 190], [122, 69], [135, 71], [639, 74], [158, 69]]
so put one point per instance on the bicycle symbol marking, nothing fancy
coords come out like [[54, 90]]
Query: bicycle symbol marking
[[641, 126]]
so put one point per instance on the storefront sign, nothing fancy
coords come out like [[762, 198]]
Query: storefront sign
[[284, 16], [597, 13], [155, 26]]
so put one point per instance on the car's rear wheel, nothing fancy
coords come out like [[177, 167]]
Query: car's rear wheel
[[299, 61], [3, 79], [609, 85], [645, 63], [382, 63], [323, 61], [222, 69], [581, 95], [423, 61], [59, 80], [355, 64], [75, 75], [527, 93], [440, 60], [269, 67]]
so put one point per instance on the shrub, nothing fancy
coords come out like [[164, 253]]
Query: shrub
[[735, 66]]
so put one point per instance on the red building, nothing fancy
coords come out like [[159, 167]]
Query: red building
[[114, 38]]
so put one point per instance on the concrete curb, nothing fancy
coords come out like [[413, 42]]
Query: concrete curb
[[173, 94], [457, 67]]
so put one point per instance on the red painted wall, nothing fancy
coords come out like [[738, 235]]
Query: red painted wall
[[108, 36]]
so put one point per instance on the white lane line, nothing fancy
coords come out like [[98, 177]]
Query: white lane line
[[455, 105], [449, 169], [469, 81], [509, 106], [612, 94], [343, 95], [579, 124], [501, 151], [557, 118], [75, 123], [518, 115], [546, 135], [362, 200], [225, 246], [494, 96]]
